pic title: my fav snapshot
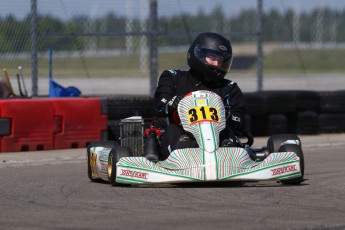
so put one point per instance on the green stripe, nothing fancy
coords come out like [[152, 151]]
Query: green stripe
[[121, 179], [203, 163], [215, 152]]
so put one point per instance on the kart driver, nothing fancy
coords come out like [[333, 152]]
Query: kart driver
[[209, 58]]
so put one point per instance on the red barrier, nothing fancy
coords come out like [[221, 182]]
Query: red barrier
[[43, 124], [81, 121], [32, 125]]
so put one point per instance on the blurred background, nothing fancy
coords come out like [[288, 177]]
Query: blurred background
[[121, 47]]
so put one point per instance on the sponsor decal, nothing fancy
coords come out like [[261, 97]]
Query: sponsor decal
[[130, 173], [285, 169]]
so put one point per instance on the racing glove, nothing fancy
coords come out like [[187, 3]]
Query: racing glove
[[172, 104]]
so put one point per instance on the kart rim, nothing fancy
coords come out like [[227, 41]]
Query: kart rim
[[110, 166]]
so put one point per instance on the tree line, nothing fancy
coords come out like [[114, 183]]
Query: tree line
[[319, 25]]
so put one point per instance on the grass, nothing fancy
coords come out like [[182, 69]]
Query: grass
[[278, 60], [325, 60], [118, 66]]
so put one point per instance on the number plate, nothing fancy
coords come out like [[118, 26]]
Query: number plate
[[202, 114]]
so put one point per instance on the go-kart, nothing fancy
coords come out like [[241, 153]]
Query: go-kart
[[202, 114]]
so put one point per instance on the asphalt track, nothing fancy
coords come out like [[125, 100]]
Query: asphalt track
[[50, 190]]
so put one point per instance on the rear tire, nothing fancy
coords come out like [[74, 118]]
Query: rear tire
[[276, 141], [105, 144], [296, 149], [114, 157]]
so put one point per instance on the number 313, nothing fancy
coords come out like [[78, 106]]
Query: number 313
[[201, 113]]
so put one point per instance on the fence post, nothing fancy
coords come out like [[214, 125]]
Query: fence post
[[259, 31], [153, 46], [34, 70]]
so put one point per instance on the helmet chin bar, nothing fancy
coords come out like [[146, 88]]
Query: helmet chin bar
[[214, 79], [219, 74]]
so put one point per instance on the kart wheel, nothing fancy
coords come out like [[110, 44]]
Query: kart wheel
[[296, 149], [276, 141], [106, 144], [114, 157]]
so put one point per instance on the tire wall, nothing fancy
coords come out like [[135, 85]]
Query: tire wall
[[267, 112]]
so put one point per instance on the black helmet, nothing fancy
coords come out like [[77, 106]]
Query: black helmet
[[214, 44]]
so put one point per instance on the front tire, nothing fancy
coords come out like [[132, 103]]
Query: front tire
[[114, 157], [276, 141], [296, 149], [90, 162]]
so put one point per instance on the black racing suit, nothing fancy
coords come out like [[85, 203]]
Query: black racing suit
[[179, 83]]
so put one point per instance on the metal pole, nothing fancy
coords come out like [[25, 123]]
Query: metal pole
[[259, 46], [34, 47], [153, 46]]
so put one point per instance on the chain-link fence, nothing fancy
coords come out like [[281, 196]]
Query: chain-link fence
[[108, 47]]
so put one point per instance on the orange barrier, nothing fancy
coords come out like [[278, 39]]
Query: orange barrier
[[80, 120], [31, 123]]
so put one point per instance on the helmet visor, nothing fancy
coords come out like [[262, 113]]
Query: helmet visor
[[213, 58]]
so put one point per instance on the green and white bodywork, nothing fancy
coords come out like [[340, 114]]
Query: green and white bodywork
[[202, 113]]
